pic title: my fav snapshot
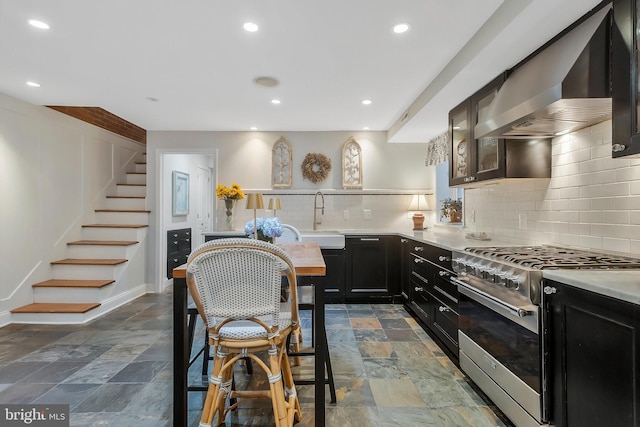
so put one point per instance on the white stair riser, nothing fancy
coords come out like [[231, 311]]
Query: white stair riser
[[131, 190], [136, 178], [107, 233], [100, 251], [122, 218], [70, 295], [136, 204], [87, 272], [141, 168]]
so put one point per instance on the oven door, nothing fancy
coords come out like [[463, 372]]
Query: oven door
[[500, 348]]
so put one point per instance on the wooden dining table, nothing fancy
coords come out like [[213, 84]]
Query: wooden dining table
[[307, 261]]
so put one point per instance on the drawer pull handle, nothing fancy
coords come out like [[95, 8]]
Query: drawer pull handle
[[404, 240], [490, 362], [175, 242], [443, 274], [175, 260], [418, 289], [443, 258], [369, 239], [418, 260], [443, 308], [418, 249]]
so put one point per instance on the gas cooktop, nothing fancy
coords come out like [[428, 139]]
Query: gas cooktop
[[554, 257]]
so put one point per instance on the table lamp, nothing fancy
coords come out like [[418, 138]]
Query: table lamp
[[274, 205], [254, 201], [418, 205]]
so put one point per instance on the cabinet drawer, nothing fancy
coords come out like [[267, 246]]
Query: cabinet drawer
[[173, 246], [440, 257], [445, 324], [443, 289], [175, 262], [422, 302]]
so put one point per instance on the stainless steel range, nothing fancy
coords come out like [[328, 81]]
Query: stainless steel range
[[501, 344]]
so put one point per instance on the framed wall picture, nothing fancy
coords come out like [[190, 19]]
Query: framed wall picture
[[281, 164], [180, 193], [351, 164]]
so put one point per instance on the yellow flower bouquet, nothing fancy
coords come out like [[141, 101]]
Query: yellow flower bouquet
[[229, 193]]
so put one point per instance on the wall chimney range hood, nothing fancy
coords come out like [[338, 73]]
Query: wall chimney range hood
[[563, 88]]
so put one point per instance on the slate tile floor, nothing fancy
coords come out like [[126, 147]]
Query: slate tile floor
[[116, 371]]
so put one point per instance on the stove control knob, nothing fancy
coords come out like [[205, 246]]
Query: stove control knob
[[512, 282], [500, 277]]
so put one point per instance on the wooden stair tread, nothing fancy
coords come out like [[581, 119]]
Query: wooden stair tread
[[126, 197], [104, 242], [134, 185], [136, 173], [56, 308], [116, 225], [90, 261], [63, 283], [124, 210]]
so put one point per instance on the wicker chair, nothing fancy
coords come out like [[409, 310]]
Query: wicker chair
[[235, 284]]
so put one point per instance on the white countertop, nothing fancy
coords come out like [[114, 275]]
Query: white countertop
[[620, 284]]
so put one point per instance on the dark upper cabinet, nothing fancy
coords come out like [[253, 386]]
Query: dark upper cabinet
[[491, 158], [624, 78], [471, 159]]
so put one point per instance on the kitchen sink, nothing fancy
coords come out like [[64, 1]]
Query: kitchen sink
[[327, 239]]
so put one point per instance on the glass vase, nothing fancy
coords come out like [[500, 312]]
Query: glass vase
[[228, 210]]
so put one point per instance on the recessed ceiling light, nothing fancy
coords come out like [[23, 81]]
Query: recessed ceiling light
[[250, 26], [253, 128], [275, 101], [366, 102], [33, 84], [152, 99], [39, 24], [401, 28], [266, 81]]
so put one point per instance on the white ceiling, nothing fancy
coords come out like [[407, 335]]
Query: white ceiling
[[195, 58]]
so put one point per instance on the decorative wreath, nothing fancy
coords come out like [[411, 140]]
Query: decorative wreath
[[316, 167]]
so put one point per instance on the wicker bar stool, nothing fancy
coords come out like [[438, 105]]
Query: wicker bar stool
[[236, 284]]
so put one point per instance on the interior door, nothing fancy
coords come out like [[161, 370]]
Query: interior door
[[204, 209]]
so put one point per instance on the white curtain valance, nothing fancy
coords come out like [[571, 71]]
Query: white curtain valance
[[437, 150]]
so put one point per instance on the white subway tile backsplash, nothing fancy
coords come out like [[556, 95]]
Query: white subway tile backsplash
[[616, 245], [591, 201]]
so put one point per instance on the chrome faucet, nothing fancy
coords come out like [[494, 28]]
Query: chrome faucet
[[317, 220]]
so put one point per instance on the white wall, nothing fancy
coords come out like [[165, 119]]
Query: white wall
[[54, 172], [591, 201], [390, 173]]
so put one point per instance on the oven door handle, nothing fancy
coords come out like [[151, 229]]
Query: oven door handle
[[483, 297]]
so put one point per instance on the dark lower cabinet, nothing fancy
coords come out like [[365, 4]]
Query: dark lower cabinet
[[405, 269], [593, 344], [334, 285], [434, 299], [371, 268], [178, 248]]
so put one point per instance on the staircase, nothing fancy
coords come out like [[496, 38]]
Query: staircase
[[101, 271]]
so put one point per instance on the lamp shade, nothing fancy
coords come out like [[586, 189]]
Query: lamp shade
[[254, 201], [418, 203], [274, 204]]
